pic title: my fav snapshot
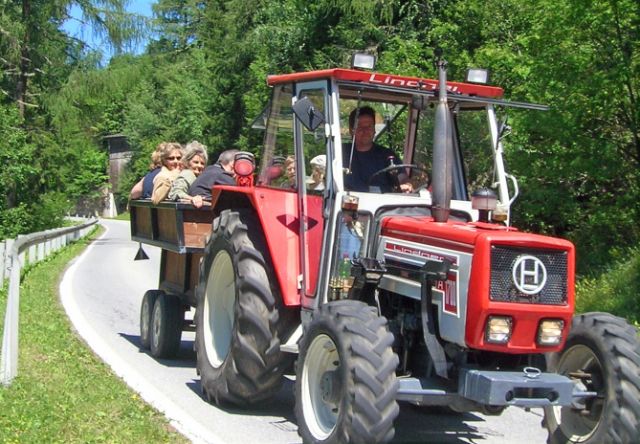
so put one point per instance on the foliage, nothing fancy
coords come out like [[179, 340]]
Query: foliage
[[63, 393], [46, 212], [16, 157], [614, 291], [588, 145], [203, 77], [577, 163], [50, 143]]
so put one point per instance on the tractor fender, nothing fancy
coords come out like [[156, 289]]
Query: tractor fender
[[277, 212]]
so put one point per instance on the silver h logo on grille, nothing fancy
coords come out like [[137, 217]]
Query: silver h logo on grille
[[529, 274]]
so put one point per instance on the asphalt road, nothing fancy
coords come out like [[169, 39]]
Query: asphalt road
[[102, 291]]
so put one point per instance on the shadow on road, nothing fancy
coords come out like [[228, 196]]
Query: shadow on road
[[414, 424], [280, 405], [433, 425], [186, 357]]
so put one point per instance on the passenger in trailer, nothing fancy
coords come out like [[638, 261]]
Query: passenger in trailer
[[171, 156], [194, 161], [144, 187], [220, 173]]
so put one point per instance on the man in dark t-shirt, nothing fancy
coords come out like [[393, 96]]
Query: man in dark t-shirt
[[368, 157], [365, 164], [220, 173]]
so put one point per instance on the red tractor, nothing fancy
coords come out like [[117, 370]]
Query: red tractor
[[384, 292]]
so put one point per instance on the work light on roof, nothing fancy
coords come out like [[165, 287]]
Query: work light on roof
[[477, 75], [362, 60]]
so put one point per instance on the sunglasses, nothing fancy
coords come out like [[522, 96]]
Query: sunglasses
[[174, 158]]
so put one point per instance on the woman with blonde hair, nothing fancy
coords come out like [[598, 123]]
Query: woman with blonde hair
[[144, 187], [194, 161], [171, 158]]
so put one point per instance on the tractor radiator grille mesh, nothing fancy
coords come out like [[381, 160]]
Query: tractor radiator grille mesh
[[503, 287]]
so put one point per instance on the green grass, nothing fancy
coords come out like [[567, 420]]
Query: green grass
[[123, 216], [63, 393], [616, 291]]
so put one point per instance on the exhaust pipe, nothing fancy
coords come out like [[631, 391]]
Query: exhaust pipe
[[442, 167]]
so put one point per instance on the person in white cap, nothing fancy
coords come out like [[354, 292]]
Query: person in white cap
[[316, 180]]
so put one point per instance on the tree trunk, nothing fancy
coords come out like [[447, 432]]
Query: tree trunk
[[21, 85]]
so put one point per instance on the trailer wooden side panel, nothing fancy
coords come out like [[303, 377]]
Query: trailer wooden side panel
[[172, 226], [181, 231]]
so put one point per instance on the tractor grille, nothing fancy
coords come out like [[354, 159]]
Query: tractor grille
[[503, 286]]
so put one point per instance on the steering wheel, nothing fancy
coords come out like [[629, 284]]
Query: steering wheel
[[400, 167]]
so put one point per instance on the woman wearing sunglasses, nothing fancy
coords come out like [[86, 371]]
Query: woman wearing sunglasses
[[171, 157], [194, 161], [144, 188]]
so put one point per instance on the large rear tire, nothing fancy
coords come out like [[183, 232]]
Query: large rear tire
[[240, 318], [602, 354], [345, 378]]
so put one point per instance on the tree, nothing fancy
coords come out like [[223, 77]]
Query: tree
[[48, 155]]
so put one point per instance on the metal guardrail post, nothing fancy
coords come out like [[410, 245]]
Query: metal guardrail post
[[6, 263], [9, 356], [2, 267]]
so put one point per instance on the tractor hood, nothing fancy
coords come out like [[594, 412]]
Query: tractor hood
[[491, 272], [427, 230]]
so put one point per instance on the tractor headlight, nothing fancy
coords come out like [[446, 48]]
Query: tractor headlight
[[477, 75], [498, 329], [550, 332], [361, 60]]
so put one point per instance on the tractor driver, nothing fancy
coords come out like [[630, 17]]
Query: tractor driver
[[368, 157]]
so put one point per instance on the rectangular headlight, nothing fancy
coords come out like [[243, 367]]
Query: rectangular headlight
[[477, 75], [361, 60], [498, 329], [550, 332]]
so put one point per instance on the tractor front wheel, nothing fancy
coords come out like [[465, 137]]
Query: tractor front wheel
[[602, 355], [345, 378]]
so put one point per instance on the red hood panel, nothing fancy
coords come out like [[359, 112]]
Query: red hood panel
[[463, 235]]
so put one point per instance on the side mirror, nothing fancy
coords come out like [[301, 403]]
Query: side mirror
[[308, 115]]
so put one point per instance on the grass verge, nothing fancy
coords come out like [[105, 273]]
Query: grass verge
[[123, 216], [615, 291], [63, 393]]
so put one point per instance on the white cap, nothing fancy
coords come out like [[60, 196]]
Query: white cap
[[319, 161]]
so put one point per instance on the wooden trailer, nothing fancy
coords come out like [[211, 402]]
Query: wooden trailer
[[181, 231]]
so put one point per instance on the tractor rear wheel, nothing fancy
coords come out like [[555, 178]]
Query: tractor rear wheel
[[602, 355], [240, 318], [345, 378]]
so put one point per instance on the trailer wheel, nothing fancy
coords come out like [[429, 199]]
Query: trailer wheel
[[166, 326], [240, 318], [602, 354], [345, 378], [146, 312]]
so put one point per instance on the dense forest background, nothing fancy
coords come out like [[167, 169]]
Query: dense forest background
[[203, 74]]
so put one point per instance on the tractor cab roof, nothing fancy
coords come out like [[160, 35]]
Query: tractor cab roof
[[376, 80], [399, 89]]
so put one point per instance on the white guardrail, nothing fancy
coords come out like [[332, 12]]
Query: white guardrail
[[14, 254]]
